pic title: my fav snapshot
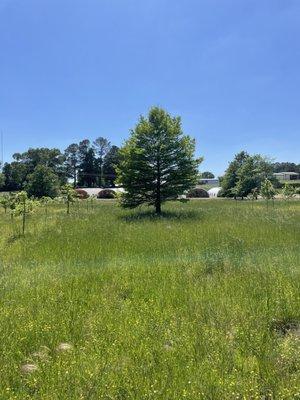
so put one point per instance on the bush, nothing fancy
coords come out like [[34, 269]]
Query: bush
[[82, 194], [197, 193], [106, 194]]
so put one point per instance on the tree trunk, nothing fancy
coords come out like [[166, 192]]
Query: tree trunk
[[158, 207]]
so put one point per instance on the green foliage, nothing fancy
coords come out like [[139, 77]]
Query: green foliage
[[207, 175], [111, 162], [286, 167], [288, 191], [4, 202], [23, 207], [157, 161], [72, 161], [69, 195], [267, 190], [2, 180], [244, 174], [42, 182], [102, 146]]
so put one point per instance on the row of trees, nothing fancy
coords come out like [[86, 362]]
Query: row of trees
[[42, 171]]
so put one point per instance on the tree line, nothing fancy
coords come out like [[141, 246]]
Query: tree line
[[156, 164], [42, 171]]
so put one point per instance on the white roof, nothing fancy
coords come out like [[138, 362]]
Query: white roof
[[285, 173]]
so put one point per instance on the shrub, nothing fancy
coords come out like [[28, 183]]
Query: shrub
[[106, 194], [197, 192], [82, 194]]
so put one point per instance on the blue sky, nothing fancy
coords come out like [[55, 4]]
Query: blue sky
[[71, 69]]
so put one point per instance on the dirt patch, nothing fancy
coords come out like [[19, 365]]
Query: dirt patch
[[286, 326]]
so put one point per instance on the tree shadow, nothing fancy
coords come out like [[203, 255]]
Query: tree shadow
[[149, 215]]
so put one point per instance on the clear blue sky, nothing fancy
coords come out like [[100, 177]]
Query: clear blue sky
[[71, 69]]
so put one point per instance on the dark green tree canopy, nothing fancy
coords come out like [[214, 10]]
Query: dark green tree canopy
[[246, 173], [42, 182], [207, 175], [157, 161]]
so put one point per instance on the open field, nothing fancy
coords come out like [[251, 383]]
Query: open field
[[201, 303]]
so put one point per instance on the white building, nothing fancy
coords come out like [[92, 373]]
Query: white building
[[286, 176]]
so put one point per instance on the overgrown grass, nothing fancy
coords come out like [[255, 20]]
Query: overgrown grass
[[200, 303]]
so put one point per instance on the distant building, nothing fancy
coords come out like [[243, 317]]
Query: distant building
[[286, 176], [209, 181]]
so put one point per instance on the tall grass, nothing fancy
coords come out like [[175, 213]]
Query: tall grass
[[195, 304]]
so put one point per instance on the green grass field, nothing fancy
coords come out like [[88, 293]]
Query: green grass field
[[201, 303]]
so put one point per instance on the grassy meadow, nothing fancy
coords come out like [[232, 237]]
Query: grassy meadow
[[200, 303]]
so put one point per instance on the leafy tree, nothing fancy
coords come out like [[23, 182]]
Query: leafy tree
[[23, 207], [4, 202], [15, 175], [72, 161], [230, 177], [157, 161], [102, 147], [288, 191], [245, 173], [111, 162], [42, 182], [207, 175], [17, 172], [267, 190], [69, 195]]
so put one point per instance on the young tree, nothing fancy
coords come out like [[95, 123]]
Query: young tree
[[23, 207], [42, 182], [267, 191], [46, 201], [288, 191], [102, 147], [69, 196], [4, 201], [157, 161]]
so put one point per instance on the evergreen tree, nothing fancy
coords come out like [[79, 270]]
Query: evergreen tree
[[87, 176], [157, 161], [72, 161], [111, 162], [101, 148]]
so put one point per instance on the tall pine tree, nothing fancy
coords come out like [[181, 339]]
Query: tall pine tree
[[157, 161]]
